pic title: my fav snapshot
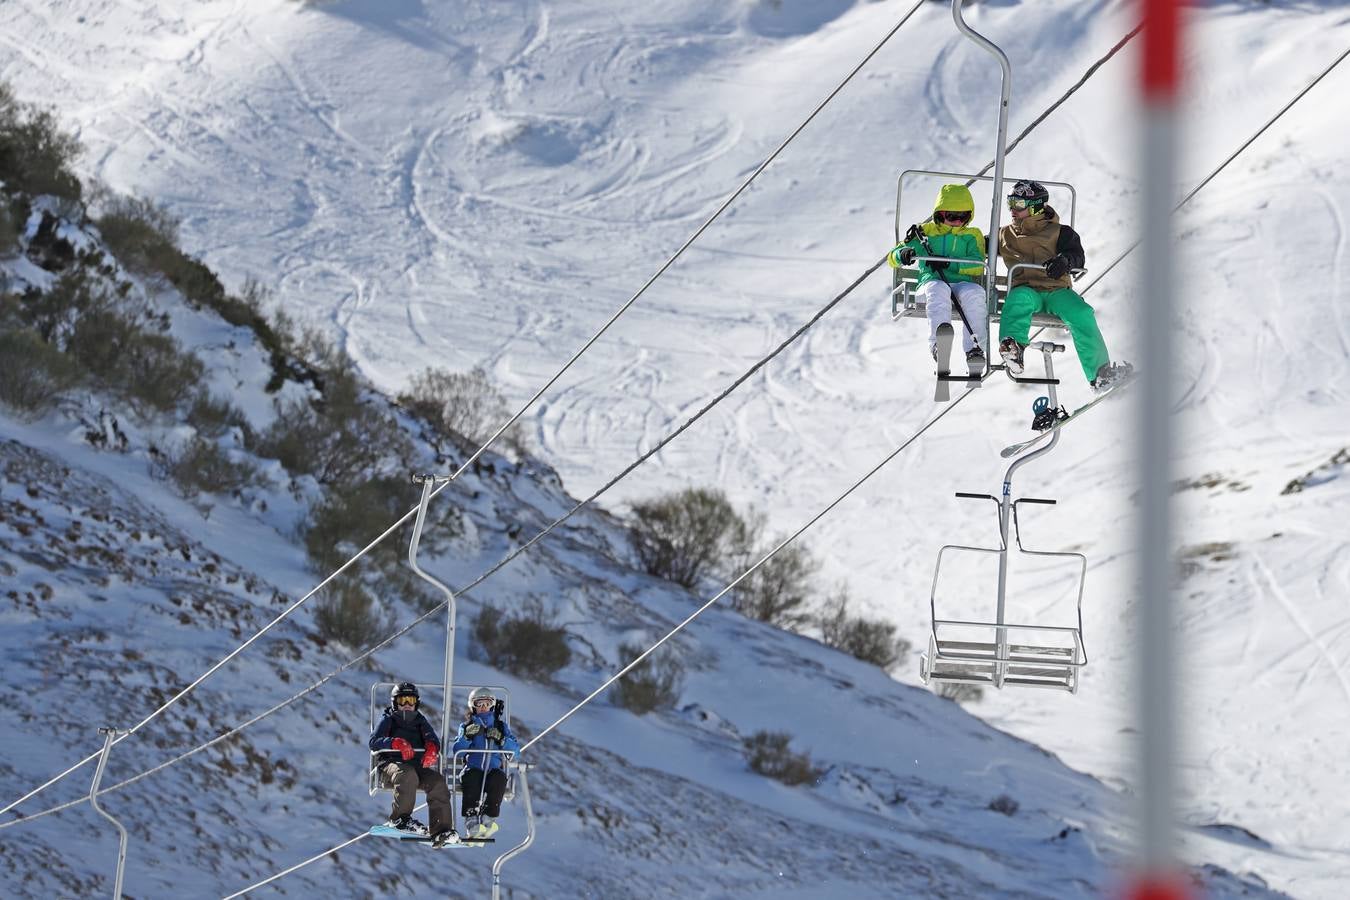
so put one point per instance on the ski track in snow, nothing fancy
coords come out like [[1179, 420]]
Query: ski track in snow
[[1274, 590]]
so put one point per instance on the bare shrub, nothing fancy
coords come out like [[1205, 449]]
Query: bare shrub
[[1004, 804], [142, 234], [777, 591], [652, 684], [468, 404], [354, 513], [685, 536], [36, 155], [156, 374], [9, 230], [202, 467], [348, 615], [119, 346], [529, 643], [340, 436], [767, 753], [214, 417], [34, 373], [960, 691], [870, 640]]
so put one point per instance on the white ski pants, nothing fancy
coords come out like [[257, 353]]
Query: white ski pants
[[937, 298]]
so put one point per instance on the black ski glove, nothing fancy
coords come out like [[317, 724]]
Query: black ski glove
[[938, 265], [1057, 267], [494, 734], [907, 255]]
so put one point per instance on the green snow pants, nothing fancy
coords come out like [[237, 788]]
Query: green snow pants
[[1023, 301]]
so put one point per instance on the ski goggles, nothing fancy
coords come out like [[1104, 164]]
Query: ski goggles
[[1020, 203], [405, 700], [959, 217], [484, 703]]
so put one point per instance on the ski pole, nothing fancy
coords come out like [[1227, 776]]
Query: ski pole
[[956, 302]]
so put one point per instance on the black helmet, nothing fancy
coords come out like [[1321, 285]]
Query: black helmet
[[404, 689], [1030, 195]]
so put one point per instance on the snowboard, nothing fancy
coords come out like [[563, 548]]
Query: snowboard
[[1015, 449]]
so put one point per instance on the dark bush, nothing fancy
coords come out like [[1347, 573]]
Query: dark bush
[[1004, 804], [35, 154], [140, 233], [156, 374], [347, 614], [869, 640], [34, 373], [354, 513], [467, 404], [338, 436], [9, 230], [202, 467], [768, 754], [652, 684], [529, 644], [214, 417], [686, 536], [777, 591], [121, 349]]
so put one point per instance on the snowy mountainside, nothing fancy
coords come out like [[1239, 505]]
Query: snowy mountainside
[[119, 590], [462, 183]]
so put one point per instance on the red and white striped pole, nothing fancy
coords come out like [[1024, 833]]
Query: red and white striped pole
[[1157, 875]]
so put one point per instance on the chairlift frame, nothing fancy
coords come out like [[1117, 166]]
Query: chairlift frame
[[515, 770], [1036, 659]]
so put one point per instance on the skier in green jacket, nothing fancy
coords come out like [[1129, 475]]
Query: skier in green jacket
[[949, 235], [1036, 235]]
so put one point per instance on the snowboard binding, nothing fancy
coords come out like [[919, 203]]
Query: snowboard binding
[[1044, 417]]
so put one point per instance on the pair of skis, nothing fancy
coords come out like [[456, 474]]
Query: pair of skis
[[946, 336]]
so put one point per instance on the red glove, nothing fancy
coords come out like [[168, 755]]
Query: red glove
[[430, 757], [402, 746]]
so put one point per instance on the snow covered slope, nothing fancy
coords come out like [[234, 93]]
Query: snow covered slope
[[461, 183]]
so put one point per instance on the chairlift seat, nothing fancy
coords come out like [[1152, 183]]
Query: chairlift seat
[[906, 304], [1052, 662]]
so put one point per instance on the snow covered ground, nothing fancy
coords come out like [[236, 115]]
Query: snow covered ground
[[484, 183]]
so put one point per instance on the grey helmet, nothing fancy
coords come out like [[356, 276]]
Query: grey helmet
[[481, 693]]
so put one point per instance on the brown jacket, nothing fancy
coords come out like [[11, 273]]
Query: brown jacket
[[1034, 240]]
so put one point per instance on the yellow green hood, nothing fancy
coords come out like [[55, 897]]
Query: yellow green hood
[[954, 198]]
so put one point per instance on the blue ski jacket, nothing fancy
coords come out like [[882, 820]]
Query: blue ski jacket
[[480, 741], [417, 732]]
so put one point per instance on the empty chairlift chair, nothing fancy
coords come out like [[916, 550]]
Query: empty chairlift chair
[[997, 652]]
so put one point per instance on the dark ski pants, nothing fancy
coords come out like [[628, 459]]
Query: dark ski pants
[[492, 794], [407, 778]]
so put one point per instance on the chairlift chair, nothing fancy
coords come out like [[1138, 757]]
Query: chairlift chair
[[1000, 653], [906, 304]]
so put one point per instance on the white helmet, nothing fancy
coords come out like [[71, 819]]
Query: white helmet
[[479, 694]]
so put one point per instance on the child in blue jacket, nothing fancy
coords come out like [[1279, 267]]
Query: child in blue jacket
[[484, 779]]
